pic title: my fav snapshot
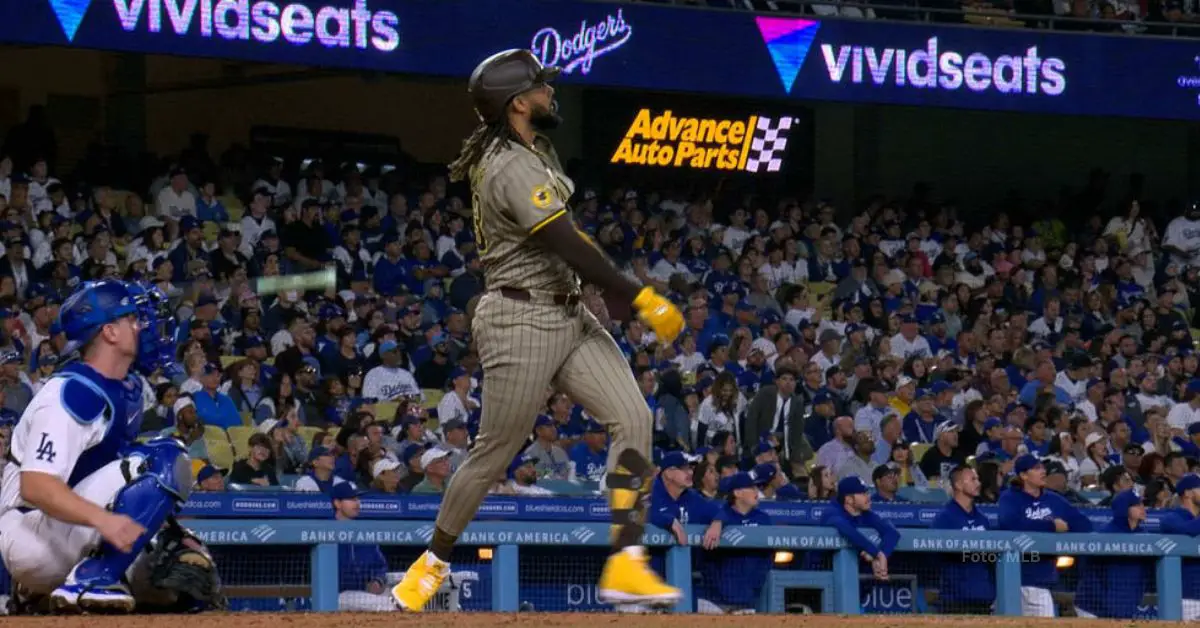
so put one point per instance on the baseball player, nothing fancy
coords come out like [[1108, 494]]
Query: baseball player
[[532, 333], [80, 501]]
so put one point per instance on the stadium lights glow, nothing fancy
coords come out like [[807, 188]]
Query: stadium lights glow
[[485, 553], [783, 558], [1065, 562]]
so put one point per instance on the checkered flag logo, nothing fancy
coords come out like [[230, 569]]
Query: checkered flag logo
[[1023, 543], [1166, 545], [769, 144]]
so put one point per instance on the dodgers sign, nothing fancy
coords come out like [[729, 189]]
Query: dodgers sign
[[580, 49]]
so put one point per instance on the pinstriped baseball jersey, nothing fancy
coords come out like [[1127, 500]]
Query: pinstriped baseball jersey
[[516, 192]]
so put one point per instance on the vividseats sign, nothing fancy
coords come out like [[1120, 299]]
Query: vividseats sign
[[648, 47]]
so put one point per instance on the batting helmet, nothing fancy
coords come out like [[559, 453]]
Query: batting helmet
[[93, 305], [503, 76]]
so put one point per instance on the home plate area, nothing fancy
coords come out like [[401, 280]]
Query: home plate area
[[471, 620]]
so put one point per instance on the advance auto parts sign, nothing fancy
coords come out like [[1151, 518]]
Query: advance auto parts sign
[[752, 144]]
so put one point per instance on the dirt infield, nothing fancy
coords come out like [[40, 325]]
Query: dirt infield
[[473, 620]]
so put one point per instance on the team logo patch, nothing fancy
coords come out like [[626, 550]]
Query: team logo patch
[[542, 197]]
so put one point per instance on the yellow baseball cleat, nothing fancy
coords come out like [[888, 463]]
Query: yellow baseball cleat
[[628, 579], [420, 583]]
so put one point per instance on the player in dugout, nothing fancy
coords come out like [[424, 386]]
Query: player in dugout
[[1113, 586], [733, 580], [1186, 520], [362, 569], [1029, 507], [967, 585], [851, 511]]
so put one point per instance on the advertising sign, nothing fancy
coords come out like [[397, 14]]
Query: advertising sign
[[653, 48], [666, 140]]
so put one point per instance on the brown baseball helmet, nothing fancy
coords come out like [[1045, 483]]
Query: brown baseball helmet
[[502, 77]]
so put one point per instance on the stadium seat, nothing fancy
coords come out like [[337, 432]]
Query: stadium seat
[[212, 432], [211, 230], [923, 495], [919, 449], [234, 206], [240, 436], [220, 452], [386, 410], [433, 397]]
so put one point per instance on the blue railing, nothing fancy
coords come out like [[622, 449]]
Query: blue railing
[[840, 586]]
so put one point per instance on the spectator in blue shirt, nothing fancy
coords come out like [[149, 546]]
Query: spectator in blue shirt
[[391, 270], [213, 406], [209, 208], [851, 511], [733, 580], [362, 569], [1029, 507], [887, 481], [1186, 520], [589, 458], [1112, 586], [968, 585]]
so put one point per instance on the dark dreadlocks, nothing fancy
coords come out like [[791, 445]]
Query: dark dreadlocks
[[475, 147]]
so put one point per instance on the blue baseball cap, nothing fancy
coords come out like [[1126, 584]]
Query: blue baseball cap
[[187, 223], [593, 426], [1194, 385], [852, 485], [521, 460], [923, 393], [991, 423], [763, 473], [745, 306], [11, 356], [211, 368], [1026, 462], [703, 451], [1123, 501], [940, 387], [344, 490], [1186, 483], [770, 317], [822, 397], [543, 421], [762, 448], [208, 471], [736, 481], [387, 345], [410, 451], [675, 459], [9, 417], [318, 452]]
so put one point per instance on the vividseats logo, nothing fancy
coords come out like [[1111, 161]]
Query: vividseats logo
[[934, 67], [754, 144], [579, 49], [265, 22]]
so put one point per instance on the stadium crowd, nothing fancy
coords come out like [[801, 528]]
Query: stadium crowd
[[893, 349]]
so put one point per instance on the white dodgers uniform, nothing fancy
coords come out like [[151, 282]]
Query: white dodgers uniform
[[75, 429]]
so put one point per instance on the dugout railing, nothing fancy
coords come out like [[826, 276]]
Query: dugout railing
[[838, 579]]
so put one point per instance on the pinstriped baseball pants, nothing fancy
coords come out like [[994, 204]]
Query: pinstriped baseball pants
[[526, 348]]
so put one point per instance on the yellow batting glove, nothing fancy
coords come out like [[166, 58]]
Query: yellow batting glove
[[659, 314]]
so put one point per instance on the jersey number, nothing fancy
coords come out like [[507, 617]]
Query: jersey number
[[45, 450], [477, 221]]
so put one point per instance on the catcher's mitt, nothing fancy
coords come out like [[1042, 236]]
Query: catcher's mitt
[[182, 564]]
